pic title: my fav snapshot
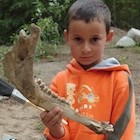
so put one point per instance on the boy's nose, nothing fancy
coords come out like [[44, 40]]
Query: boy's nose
[[86, 48]]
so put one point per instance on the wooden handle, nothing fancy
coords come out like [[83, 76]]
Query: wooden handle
[[41, 109]]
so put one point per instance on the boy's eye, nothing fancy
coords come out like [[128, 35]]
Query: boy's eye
[[78, 39], [95, 39]]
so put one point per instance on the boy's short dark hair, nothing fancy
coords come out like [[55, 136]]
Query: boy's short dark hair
[[88, 10]]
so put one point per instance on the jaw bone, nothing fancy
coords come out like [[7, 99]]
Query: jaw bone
[[18, 67]]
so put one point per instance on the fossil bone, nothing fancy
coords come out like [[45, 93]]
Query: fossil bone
[[18, 67]]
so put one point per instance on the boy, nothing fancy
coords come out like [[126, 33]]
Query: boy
[[95, 87]]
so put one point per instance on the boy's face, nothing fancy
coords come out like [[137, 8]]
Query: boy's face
[[87, 40]]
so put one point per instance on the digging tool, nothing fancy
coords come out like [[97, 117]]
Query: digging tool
[[6, 90]]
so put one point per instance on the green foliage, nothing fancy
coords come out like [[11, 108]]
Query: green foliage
[[49, 30], [125, 13], [49, 37], [50, 15], [3, 51], [137, 49], [40, 126], [45, 50], [13, 14], [58, 10]]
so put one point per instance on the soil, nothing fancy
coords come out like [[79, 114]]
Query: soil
[[23, 122]]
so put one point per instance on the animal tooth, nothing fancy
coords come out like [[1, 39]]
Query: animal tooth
[[39, 81], [45, 89], [42, 85]]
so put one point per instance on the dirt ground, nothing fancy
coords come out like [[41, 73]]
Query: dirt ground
[[23, 122]]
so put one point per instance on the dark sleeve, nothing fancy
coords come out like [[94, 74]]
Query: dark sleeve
[[5, 88], [127, 117]]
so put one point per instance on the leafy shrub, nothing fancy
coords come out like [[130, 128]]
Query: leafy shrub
[[49, 37], [13, 14]]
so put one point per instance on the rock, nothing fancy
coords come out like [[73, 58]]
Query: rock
[[7, 137], [3, 97], [134, 34], [125, 41]]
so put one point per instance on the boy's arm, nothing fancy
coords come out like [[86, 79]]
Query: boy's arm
[[47, 133], [123, 115]]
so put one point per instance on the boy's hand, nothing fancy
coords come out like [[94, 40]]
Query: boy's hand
[[52, 120]]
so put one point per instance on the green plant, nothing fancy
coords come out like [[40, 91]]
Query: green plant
[[3, 51], [137, 49], [45, 50], [123, 60], [49, 30], [40, 126], [49, 38], [13, 14], [14, 37]]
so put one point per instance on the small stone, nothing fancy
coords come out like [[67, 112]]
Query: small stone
[[7, 137]]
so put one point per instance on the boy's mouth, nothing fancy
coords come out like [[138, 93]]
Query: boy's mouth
[[86, 57]]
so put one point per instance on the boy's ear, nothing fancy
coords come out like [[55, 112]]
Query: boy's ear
[[66, 35], [109, 37]]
